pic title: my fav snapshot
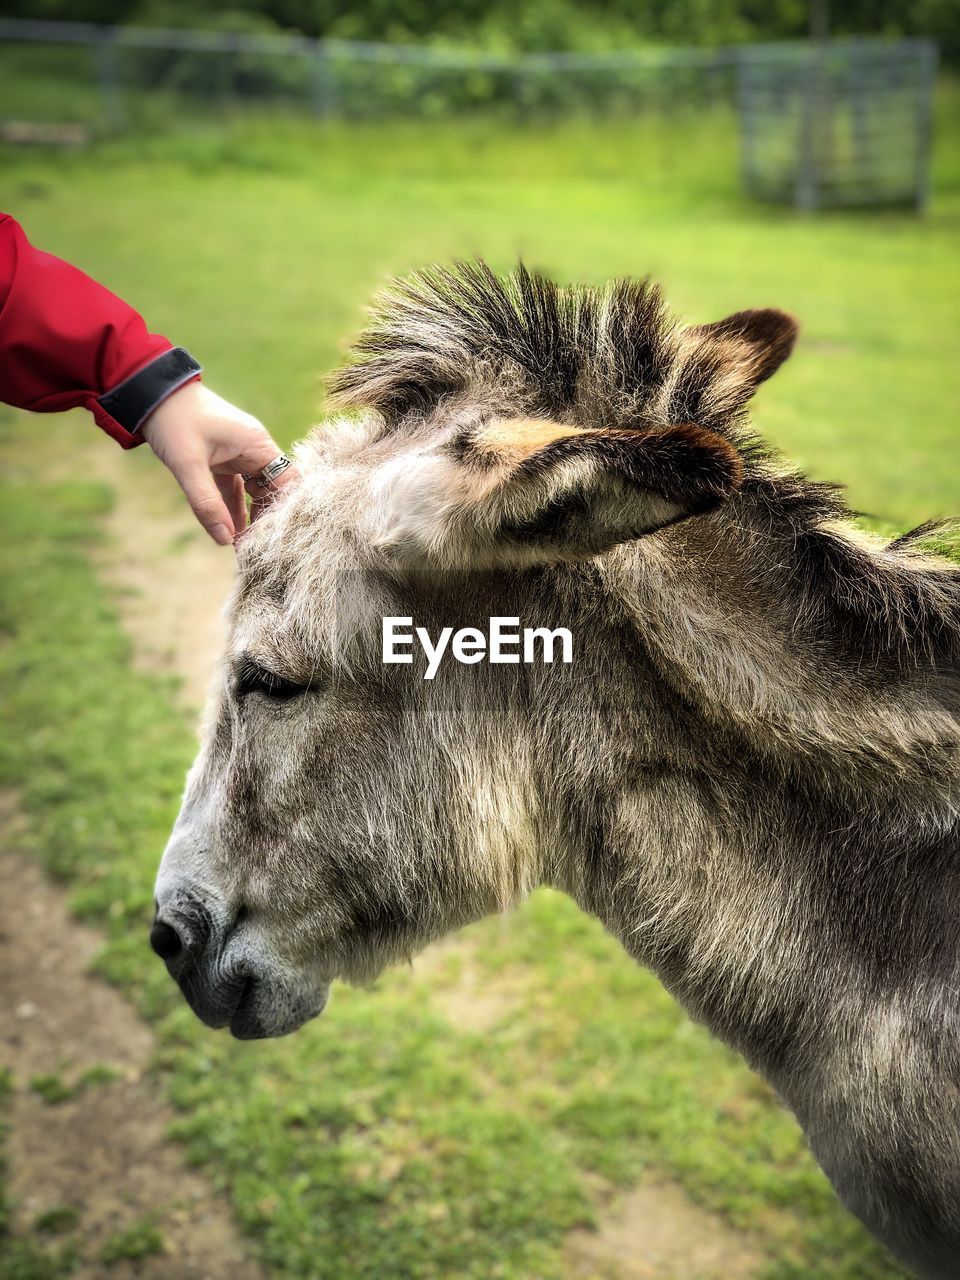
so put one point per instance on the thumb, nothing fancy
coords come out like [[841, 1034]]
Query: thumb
[[205, 500]]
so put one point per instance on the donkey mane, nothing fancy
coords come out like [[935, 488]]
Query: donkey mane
[[613, 357]]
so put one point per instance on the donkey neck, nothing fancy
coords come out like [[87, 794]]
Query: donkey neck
[[771, 821]]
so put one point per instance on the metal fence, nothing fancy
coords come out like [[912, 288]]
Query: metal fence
[[118, 71], [829, 123], [837, 123]]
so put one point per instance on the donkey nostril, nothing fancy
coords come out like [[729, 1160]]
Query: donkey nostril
[[165, 940]]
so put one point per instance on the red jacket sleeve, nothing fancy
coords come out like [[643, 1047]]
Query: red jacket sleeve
[[64, 339]]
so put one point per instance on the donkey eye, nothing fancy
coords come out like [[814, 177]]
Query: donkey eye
[[253, 678]]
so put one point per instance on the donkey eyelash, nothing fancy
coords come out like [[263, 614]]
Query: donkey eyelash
[[252, 678]]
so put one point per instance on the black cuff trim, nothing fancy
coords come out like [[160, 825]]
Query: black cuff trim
[[135, 399]]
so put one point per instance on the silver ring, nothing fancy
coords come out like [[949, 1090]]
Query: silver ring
[[263, 479]]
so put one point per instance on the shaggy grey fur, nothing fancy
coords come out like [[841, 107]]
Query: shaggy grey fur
[[750, 773]]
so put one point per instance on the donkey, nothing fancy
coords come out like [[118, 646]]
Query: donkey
[[750, 771]]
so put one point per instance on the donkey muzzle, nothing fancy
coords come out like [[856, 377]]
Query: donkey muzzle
[[224, 976], [192, 944]]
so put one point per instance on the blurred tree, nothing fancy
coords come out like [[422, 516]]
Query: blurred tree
[[534, 24]]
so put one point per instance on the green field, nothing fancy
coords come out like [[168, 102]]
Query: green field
[[383, 1141]]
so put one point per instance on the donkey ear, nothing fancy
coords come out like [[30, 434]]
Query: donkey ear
[[531, 489], [766, 337], [718, 366]]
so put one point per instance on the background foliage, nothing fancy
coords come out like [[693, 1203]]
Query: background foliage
[[533, 25]]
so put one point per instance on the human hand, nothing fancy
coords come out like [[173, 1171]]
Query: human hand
[[208, 444]]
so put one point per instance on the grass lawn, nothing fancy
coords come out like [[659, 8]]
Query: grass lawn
[[382, 1141]]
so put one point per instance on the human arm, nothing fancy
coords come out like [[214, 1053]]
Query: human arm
[[67, 342]]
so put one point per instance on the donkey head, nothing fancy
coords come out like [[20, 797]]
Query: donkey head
[[515, 442]]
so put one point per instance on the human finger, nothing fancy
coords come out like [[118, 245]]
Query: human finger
[[231, 490], [204, 498]]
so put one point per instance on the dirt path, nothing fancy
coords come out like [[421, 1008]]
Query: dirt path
[[171, 580], [104, 1151], [656, 1232], [102, 1154]]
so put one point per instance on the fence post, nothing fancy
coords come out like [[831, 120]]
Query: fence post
[[107, 78], [924, 126], [324, 89], [807, 191], [745, 94], [859, 91]]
